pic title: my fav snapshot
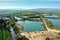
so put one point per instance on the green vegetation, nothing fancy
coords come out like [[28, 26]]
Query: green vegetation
[[4, 30], [5, 35]]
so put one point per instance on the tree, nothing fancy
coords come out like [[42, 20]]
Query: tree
[[2, 24]]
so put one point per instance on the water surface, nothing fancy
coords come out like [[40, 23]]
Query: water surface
[[31, 25], [14, 36], [55, 22]]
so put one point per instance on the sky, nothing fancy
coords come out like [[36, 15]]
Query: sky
[[29, 4]]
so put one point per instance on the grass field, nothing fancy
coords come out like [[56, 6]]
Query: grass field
[[5, 35]]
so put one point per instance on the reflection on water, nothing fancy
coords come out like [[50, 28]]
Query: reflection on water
[[18, 18], [36, 19], [31, 25], [51, 16], [13, 34]]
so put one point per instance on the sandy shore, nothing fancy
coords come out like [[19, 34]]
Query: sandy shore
[[41, 35]]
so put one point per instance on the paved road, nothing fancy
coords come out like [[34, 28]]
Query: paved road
[[45, 24]]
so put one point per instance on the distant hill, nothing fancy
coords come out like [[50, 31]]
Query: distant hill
[[5, 11], [45, 9]]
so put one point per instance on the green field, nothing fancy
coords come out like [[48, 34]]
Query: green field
[[5, 35]]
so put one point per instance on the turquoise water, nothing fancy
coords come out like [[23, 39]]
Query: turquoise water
[[55, 22], [31, 26]]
